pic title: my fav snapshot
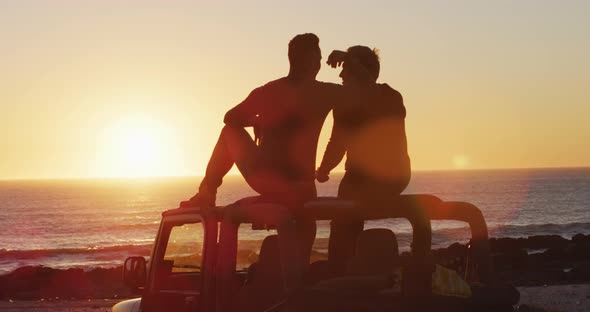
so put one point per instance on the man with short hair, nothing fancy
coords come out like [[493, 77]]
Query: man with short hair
[[287, 115]]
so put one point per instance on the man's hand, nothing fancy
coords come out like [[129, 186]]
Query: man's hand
[[336, 58], [200, 200], [322, 176]]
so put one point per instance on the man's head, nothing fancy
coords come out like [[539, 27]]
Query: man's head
[[305, 56], [360, 66]]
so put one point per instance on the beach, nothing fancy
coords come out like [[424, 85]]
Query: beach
[[558, 298], [132, 131]]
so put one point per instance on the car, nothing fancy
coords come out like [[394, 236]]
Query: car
[[197, 263]]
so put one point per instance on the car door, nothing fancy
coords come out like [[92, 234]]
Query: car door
[[178, 279]]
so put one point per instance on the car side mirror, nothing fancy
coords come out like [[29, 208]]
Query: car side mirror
[[135, 272]]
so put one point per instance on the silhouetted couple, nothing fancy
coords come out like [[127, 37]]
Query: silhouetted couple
[[287, 115]]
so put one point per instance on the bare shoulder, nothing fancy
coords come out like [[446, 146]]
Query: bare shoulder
[[274, 83], [269, 88], [328, 86]]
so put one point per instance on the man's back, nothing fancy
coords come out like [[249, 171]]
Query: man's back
[[377, 138], [370, 127], [289, 115]]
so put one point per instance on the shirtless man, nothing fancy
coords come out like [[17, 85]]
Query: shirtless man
[[287, 115]]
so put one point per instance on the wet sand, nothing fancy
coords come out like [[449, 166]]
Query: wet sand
[[558, 298], [566, 298], [97, 305]]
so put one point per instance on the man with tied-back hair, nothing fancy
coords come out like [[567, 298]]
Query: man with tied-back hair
[[287, 115], [369, 128]]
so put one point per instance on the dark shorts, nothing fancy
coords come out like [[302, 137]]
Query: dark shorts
[[359, 187]]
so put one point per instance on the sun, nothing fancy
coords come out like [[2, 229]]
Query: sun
[[133, 147], [138, 150], [460, 162]]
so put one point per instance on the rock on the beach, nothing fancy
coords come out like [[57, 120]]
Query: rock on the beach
[[38, 282], [557, 260]]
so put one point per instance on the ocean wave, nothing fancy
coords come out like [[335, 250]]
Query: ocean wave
[[153, 225], [566, 230], [442, 237], [140, 250]]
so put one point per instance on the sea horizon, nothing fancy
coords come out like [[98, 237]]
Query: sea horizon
[[234, 174]]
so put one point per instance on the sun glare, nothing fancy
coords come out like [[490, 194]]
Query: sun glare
[[133, 147], [460, 162]]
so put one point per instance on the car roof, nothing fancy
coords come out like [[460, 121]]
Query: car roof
[[322, 208]]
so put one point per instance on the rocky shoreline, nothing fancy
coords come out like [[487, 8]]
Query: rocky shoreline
[[533, 261]]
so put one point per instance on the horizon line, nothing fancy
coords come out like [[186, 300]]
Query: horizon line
[[238, 174]]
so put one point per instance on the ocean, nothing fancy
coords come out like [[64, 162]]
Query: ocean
[[99, 222]]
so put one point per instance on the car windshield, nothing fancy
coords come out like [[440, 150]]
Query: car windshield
[[185, 248]]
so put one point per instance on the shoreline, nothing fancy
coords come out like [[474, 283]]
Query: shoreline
[[562, 262]]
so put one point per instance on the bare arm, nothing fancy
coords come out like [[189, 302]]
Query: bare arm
[[334, 151], [246, 113]]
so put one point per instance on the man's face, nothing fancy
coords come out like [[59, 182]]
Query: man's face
[[345, 74], [316, 61]]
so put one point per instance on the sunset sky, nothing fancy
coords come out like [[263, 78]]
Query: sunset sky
[[139, 88]]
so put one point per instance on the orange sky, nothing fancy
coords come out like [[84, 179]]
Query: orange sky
[[128, 88]]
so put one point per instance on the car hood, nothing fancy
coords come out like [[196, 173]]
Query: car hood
[[131, 305]]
